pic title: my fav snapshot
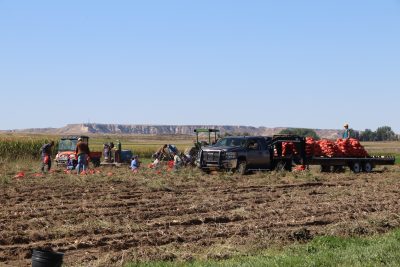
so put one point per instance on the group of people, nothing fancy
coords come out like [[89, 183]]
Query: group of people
[[112, 153], [82, 153], [169, 152]]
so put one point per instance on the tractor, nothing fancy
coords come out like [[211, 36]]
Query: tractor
[[193, 152]]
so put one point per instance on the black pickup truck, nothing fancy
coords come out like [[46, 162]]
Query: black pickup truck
[[250, 153], [247, 153]]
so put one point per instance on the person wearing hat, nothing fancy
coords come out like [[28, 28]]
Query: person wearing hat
[[46, 156], [82, 153], [346, 133]]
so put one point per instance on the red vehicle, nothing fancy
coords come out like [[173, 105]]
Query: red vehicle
[[66, 150]]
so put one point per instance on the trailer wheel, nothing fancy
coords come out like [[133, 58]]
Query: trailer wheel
[[242, 167], [288, 165], [356, 168], [338, 169], [325, 168], [367, 167]]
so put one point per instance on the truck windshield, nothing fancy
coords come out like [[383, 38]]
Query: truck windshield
[[231, 141], [67, 145]]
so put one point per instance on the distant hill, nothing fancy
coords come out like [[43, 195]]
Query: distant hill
[[137, 129]]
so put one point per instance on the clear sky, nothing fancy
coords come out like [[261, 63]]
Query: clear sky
[[315, 64]]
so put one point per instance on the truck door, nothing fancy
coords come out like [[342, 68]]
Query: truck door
[[257, 154]]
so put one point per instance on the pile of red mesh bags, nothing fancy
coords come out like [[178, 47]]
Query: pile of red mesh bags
[[329, 148], [319, 148], [288, 148], [351, 148], [310, 147], [340, 148]]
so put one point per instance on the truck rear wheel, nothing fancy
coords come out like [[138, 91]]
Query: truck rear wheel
[[284, 165], [326, 168], [242, 168], [338, 169], [280, 166]]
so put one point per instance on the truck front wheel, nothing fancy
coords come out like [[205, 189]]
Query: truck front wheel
[[242, 167]]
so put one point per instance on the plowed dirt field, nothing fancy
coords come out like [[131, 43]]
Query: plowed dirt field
[[109, 219]]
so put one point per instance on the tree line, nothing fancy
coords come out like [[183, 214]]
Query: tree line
[[384, 133]]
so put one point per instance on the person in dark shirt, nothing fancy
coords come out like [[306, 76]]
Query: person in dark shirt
[[82, 152], [118, 152], [161, 152], [46, 156]]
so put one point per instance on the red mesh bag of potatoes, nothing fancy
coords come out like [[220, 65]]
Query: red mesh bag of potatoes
[[351, 148], [329, 148]]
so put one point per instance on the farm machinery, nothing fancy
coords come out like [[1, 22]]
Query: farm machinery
[[114, 155], [66, 151], [193, 151]]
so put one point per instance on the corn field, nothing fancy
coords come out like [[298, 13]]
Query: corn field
[[21, 148], [28, 146]]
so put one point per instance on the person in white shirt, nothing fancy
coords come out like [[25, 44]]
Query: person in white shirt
[[177, 161]]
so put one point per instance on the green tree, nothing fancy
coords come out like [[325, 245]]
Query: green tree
[[301, 132], [385, 133], [368, 135], [354, 134]]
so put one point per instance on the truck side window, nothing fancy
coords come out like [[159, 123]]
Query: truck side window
[[253, 145]]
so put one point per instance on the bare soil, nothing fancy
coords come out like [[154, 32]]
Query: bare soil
[[107, 220]]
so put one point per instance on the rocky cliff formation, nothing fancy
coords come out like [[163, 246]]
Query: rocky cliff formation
[[141, 129]]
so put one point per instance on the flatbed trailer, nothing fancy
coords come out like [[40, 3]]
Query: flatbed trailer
[[357, 165], [267, 153]]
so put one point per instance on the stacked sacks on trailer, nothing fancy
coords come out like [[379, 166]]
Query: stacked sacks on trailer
[[312, 149], [351, 148], [321, 148], [340, 148], [329, 148]]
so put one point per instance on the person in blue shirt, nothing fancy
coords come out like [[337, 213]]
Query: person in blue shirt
[[346, 133], [70, 163], [135, 164]]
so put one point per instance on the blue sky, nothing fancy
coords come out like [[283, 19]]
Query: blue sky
[[314, 64]]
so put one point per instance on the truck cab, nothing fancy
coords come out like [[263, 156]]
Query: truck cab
[[241, 153]]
